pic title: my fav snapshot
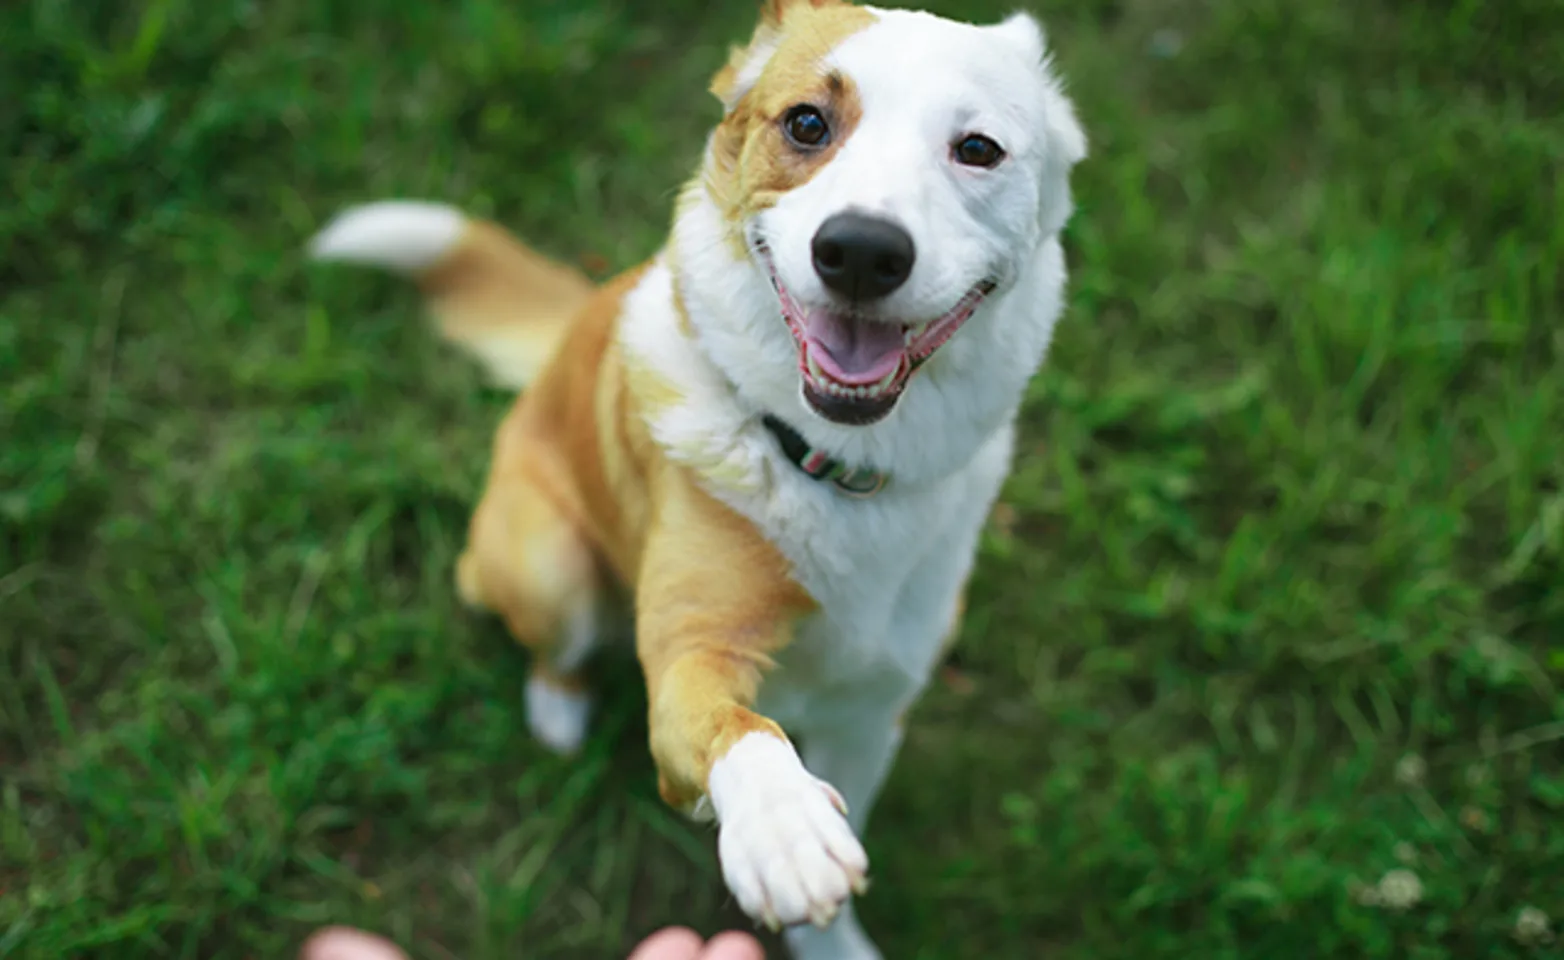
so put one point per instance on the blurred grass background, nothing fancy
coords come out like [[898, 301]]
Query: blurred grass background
[[1266, 644]]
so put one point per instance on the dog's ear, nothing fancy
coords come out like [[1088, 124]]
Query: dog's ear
[[1023, 31], [1066, 139], [745, 63], [1066, 148], [743, 67]]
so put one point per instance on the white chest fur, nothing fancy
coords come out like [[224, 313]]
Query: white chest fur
[[887, 573]]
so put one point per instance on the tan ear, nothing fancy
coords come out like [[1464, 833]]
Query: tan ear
[[744, 63], [772, 11], [725, 82]]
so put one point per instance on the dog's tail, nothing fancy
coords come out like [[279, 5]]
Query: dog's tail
[[505, 304]]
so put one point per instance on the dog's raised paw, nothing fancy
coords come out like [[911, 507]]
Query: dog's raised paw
[[787, 852]]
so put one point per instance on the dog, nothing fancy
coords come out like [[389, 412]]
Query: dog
[[777, 440]]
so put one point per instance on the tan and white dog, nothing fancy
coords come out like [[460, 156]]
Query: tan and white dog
[[782, 435]]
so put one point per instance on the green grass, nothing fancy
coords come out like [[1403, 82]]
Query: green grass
[[1275, 604]]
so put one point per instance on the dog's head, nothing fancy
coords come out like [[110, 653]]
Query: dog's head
[[888, 172]]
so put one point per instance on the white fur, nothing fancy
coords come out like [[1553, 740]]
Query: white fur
[[787, 852], [886, 571], [557, 717], [402, 235]]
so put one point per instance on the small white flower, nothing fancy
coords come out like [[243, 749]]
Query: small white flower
[[1400, 890], [1532, 927], [1410, 770]]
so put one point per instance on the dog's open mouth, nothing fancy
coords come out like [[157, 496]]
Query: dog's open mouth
[[855, 367]]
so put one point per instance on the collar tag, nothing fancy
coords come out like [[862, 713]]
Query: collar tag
[[861, 483]]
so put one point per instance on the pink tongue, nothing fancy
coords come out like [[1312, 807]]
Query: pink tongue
[[853, 352]]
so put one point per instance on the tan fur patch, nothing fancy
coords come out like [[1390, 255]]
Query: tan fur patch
[[752, 162], [772, 13], [686, 328], [576, 485], [714, 601], [506, 303]]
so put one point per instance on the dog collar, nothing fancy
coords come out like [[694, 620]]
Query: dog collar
[[817, 464]]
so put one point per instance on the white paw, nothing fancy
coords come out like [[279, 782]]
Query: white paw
[[557, 717], [787, 852]]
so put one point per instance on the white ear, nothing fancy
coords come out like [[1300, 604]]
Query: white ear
[[1066, 140], [1066, 148], [1023, 30], [1063, 127]]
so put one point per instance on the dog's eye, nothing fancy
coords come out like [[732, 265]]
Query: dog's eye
[[976, 150], [806, 127]]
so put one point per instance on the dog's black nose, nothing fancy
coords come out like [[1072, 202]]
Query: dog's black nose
[[862, 257]]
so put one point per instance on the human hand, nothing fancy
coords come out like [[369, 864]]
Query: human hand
[[682, 943]]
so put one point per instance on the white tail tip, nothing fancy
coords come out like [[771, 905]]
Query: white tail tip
[[401, 235]]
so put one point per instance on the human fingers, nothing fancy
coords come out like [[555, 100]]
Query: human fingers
[[733, 945], [345, 943], [669, 943]]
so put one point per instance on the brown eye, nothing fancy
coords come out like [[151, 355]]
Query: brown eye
[[977, 151], [806, 127]]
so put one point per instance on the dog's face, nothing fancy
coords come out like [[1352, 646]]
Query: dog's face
[[887, 171]]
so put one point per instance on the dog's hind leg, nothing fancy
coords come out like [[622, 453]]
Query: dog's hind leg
[[527, 561]]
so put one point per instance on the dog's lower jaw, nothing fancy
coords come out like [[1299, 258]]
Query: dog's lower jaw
[[850, 412]]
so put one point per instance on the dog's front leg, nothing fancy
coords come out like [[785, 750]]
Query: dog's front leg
[[854, 755], [714, 600]]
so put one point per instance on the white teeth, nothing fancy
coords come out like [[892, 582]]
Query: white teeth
[[825, 383], [912, 333]]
